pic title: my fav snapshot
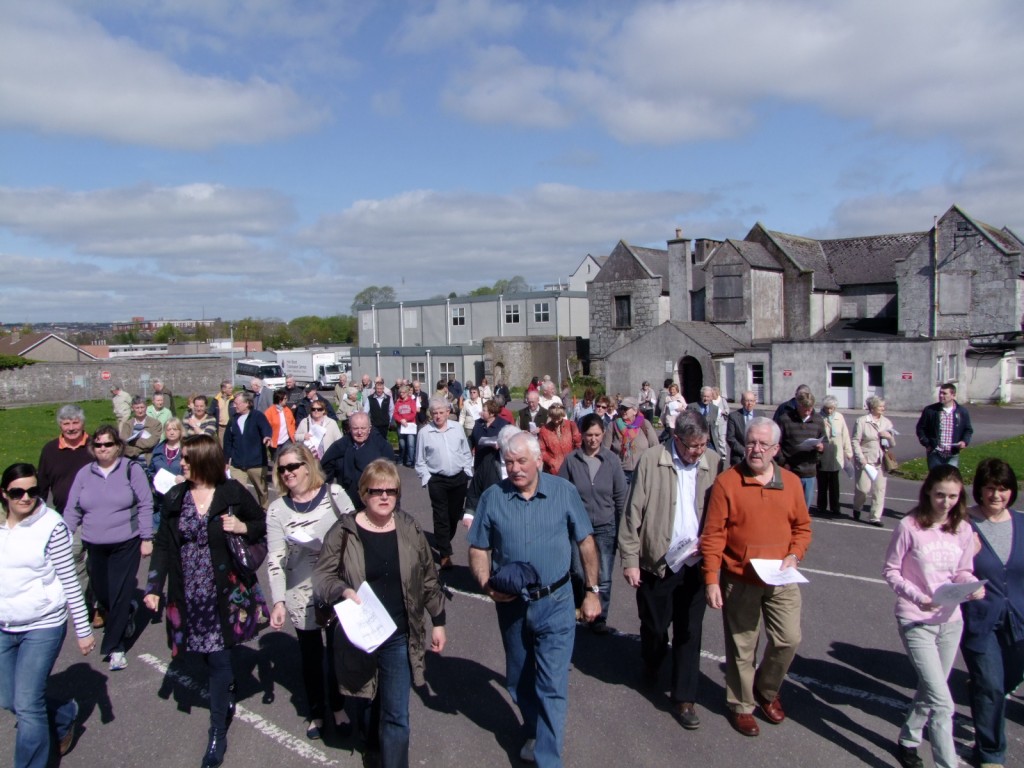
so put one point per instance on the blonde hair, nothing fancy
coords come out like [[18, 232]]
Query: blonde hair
[[316, 474]]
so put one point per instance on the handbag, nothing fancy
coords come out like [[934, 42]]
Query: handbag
[[247, 555], [889, 462], [323, 612]]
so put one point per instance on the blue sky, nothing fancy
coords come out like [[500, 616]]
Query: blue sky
[[271, 158]]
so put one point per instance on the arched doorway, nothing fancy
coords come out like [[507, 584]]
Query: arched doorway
[[691, 379]]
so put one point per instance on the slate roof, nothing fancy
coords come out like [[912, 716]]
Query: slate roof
[[656, 261], [807, 255], [755, 254], [1003, 239], [708, 335], [866, 260], [29, 341]]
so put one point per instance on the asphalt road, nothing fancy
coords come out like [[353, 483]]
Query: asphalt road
[[845, 697]]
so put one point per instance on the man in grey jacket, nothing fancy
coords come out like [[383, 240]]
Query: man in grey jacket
[[659, 541]]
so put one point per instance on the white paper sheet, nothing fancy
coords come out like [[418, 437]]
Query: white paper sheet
[[770, 572], [408, 428], [682, 554], [954, 594], [303, 539], [871, 471], [163, 480], [366, 624], [810, 443]]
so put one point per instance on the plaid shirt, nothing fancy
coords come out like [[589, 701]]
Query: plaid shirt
[[946, 431]]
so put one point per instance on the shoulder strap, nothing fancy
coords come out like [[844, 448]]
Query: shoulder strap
[[337, 513]]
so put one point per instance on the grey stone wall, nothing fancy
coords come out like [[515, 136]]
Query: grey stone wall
[[645, 297], [519, 358], [73, 382]]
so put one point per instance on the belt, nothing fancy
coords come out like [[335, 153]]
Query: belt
[[537, 594]]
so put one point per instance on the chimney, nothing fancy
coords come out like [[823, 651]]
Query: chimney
[[679, 277]]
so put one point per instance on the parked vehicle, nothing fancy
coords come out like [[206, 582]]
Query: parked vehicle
[[268, 370], [310, 367]]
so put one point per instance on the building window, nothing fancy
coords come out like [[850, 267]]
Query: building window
[[954, 293], [757, 380], [447, 370], [939, 378], [953, 368], [876, 377], [410, 318], [512, 314], [1020, 367], [623, 311], [727, 284], [458, 315], [541, 312], [418, 372]]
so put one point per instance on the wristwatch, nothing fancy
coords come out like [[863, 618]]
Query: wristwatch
[[595, 589]]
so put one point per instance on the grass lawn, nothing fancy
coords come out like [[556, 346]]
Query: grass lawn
[[1010, 450], [24, 431]]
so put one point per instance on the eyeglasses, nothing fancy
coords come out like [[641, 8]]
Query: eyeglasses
[[103, 445], [318, 410], [758, 444], [17, 494], [290, 467], [382, 492], [184, 456]]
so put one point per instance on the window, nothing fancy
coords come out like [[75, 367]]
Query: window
[[939, 378], [954, 293], [875, 375], [447, 370], [418, 372], [953, 368], [757, 380], [410, 318], [458, 315], [512, 313], [1020, 368], [623, 311], [841, 376], [541, 312], [727, 284]]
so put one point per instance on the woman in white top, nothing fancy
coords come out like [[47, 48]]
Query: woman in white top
[[873, 435], [317, 431], [837, 454], [486, 393], [297, 523], [675, 404], [472, 409], [37, 586]]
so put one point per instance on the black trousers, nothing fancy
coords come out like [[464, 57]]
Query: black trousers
[[828, 492], [677, 600], [447, 499], [113, 570], [312, 656]]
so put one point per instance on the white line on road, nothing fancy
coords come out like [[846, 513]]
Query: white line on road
[[260, 723], [844, 575]]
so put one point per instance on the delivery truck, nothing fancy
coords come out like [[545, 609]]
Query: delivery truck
[[310, 366]]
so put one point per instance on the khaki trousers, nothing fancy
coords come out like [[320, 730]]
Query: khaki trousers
[[866, 490], [745, 605], [256, 476]]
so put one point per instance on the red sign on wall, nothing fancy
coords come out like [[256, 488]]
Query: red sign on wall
[[787, 373], [907, 376], [105, 375]]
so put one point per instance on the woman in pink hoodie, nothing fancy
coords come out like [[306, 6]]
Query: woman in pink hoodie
[[931, 547]]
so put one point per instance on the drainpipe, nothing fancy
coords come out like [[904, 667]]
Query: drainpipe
[[935, 279]]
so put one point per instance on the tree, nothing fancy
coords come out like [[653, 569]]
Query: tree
[[373, 295], [503, 287], [164, 334]]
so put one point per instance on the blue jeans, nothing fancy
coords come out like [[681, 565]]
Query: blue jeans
[[932, 651], [938, 460], [808, 486], [26, 660], [407, 449], [394, 681], [995, 672], [538, 638], [604, 539]]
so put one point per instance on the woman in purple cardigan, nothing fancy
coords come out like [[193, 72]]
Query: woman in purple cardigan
[[111, 500]]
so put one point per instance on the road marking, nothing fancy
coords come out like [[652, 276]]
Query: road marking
[[844, 575], [292, 743]]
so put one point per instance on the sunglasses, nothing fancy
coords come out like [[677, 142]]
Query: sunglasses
[[103, 445], [290, 467], [17, 494], [318, 410], [382, 492]]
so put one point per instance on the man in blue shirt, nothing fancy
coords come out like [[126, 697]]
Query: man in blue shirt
[[528, 518]]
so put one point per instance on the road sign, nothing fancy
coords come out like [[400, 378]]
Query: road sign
[[105, 375]]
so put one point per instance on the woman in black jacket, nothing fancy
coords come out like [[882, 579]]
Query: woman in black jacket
[[212, 607]]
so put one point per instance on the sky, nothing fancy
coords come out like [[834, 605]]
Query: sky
[[271, 158]]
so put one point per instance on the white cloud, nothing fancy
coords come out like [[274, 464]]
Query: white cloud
[[63, 73], [458, 22]]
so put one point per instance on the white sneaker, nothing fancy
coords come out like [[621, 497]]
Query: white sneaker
[[118, 661], [526, 753]]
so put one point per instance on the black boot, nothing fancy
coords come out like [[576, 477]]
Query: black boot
[[231, 705], [215, 749]]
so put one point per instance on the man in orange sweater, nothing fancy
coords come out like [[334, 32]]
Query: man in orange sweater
[[756, 510]]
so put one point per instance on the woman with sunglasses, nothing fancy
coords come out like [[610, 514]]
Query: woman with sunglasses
[[384, 547], [212, 607], [37, 587], [297, 523], [110, 498], [318, 431]]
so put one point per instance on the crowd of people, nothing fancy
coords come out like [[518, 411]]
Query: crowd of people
[[693, 511]]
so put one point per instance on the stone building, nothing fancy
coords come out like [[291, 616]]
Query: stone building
[[889, 315]]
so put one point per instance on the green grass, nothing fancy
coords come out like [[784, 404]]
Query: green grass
[[24, 431], [1010, 450]]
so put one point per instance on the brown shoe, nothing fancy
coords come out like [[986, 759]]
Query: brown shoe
[[745, 723], [686, 713], [772, 710], [98, 620]]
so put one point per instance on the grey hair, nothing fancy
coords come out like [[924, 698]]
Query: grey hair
[[510, 443], [874, 401], [246, 395], [707, 389], [70, 412], [138, 399], [763, 421], [438, 402], [691, 424], [359, 415], [829, 402]]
